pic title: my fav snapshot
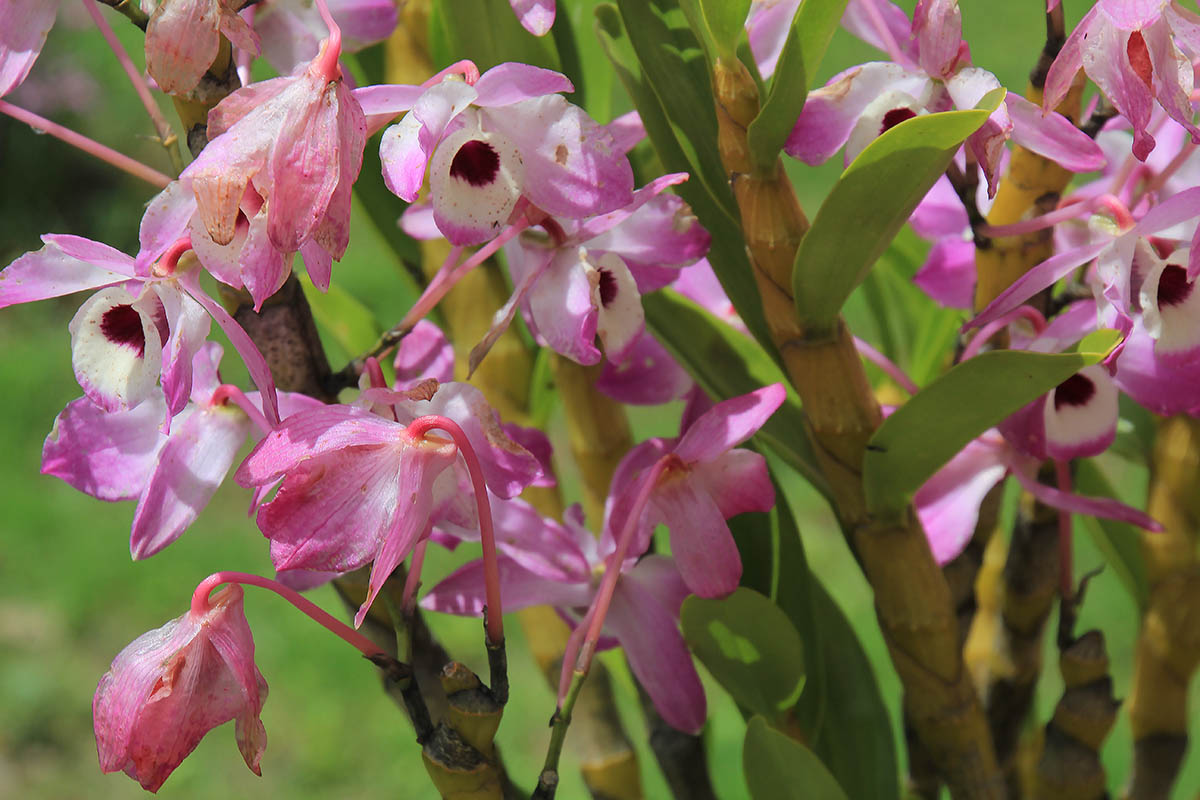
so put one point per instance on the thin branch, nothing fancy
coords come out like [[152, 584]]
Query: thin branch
[[130, 9]]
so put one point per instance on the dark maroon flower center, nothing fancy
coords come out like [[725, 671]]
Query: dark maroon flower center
[[894, 117], [476, 163], [608, 287], [1076, 390], [122, 325], [1173, 286]]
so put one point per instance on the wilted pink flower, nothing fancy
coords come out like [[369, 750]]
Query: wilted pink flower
[[359, 487], [506, 137], [545, 563], [706, 482], [171, 686], [183, 38], [1136, 52], [292, 30]]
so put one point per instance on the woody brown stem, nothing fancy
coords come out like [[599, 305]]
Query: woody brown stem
[[912, 598], [1168, 647]]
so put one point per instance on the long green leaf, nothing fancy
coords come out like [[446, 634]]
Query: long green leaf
[[841, 709], [712, 203], [812, 29], [726, 364], [750, 646], [1117, 541], [971, 397], [725, 23], [780, 768], [869, 204], [342, 316]]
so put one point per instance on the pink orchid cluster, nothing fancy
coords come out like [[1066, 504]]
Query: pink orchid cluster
[[503, 162]]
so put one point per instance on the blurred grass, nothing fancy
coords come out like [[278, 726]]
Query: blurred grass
[[70, 598]]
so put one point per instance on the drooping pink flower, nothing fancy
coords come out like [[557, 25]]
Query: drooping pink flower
[[506, 137], [545, 563], [708, 480], [24, 25], [358, 487], [1136, 52], [171, 686], [183, 38]]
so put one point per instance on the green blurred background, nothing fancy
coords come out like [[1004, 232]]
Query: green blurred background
[[70, 598]]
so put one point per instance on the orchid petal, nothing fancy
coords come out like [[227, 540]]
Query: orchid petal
[[116, 349], [182, 39], [701, 542], [1104, 507], [948, 503], [1053, 136], [536, 16], [406, 147], [511, 82], [1040, 277], [424, 353], [463, 593], [64, 265], [24, 25], [729, 423]]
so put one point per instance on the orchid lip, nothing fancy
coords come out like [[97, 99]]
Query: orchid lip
[[122, 325], [1173, 286], [476, 162], [1076, 390]]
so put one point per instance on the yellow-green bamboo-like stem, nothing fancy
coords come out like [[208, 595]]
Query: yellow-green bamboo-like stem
[[460, 756], [1030, 585], [1168, 647], [597, 429], [1070, 766], [1032, 185], [912, 598]]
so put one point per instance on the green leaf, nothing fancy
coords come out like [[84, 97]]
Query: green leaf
[[344, 318], [926, 432], [725, 20], [490, 33], [1117, 541], [808, 38], [780, 768], [869, 204], [726, 364], [841, 710], [707, 192], [755, 536], [749, 646]]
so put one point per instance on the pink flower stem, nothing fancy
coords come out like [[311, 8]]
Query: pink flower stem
[[1119, 210], [441, 284], [493, 612], [466, 68], [600, 605], [1066, 589], [992, 328], [166, 136], [227, 391], [326, 62], [1049, 220], [200, 606], [889, 41], [119, 160], [412, 582], [1156, 182], [890, 368], [169, 260], [375, 373]]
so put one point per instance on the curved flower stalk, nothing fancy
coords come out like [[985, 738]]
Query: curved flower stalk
[[930, 71], [171, 686], [1136, 53], [291, 30], [544, 562], [504, 137], [359, 487], [125, 455]]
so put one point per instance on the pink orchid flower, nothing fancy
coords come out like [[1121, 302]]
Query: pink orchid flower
[[545, 563], [145, 323], [767, 27], [24, 25], [1135, 52], [292, 30], [171, 686], [183, 38], [505, 137], [930, 71], [707, 482], [125, 455], [358, 487]]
